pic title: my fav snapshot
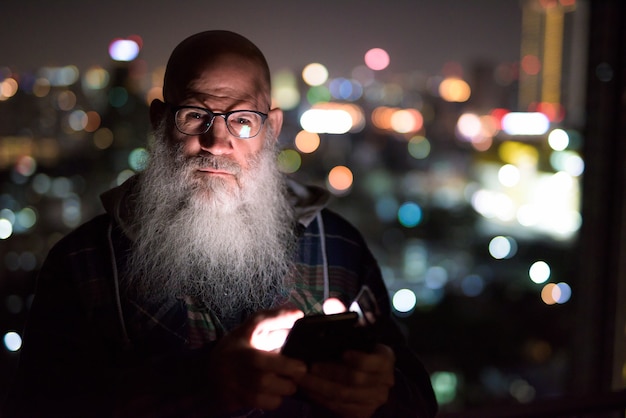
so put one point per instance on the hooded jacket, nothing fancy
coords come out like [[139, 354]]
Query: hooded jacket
[[92, 350]]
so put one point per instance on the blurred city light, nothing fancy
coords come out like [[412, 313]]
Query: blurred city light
[[419, 147], [459, 181], [8, 88], [12, 341], [501, 247], [307, 142], [525, 123], [124, 49], [285, 91], [410, 214], [445, 384], [404, 300], [60, 76], [454, 90], [377, 59], [539, 272], [558, 139], [406, 121], [553, 293], [345, 89], [96, 78], [340, 179], [6, 228], [315, 74], [509, 175], [331, 121], [289, 161]]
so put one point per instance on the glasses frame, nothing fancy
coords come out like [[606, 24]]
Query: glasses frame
[[224, 115]]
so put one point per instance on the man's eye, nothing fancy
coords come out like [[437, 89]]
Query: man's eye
[[244, 121]]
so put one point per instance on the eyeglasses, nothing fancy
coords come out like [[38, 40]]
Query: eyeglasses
[[243, 124]]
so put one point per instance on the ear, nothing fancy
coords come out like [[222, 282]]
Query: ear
[[275, 120], [157, 110]]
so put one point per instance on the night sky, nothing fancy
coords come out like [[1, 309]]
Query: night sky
[[418, 34]]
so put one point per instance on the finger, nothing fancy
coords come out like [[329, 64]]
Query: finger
[[268, 362], [353, 377], [381, 359], [340, 396], [271, 384]]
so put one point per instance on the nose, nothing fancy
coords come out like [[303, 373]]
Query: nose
[[217, 140]]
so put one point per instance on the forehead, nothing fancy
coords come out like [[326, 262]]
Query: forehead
[[226, 77]]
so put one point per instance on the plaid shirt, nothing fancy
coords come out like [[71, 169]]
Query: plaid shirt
[[91, 351]]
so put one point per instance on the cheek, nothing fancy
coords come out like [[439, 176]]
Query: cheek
[[245, 152]]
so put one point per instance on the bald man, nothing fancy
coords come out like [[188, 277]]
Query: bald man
[[164, 305]]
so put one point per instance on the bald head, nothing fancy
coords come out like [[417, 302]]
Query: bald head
[[207, 49]]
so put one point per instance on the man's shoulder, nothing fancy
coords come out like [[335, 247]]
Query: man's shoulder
[[89, 234], [335, 223]]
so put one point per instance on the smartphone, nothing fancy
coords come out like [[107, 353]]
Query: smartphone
[[320, 337]]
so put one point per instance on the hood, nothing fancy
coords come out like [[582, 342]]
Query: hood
[[307, 201]]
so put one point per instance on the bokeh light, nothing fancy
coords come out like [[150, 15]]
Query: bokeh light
[[377, 59], [315, 74], [509, 175], [558, 139], [332, 121], [549, 293], [539, 272], [118, 96], [103, 138], [502, 247], [12, 341], [472, 285], [96, 78], [124, 49], [386, 208], [6, 228], [60, 76], [78, 120], [406, 121], [419, 147], [8, 88], [285, 93], [289, 161], [404, 300], [530, 64], [345, 89], [307, 142], [138, 159], [340, 178], [454, 90], [469, 126], [525, 123], [66, 100], [26, 165], [445, 384], [318, 94], [93, 121], [410, 214]]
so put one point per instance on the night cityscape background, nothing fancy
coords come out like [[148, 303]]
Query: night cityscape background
[[453, 134]]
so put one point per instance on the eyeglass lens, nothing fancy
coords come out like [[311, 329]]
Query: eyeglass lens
[[241, 123]]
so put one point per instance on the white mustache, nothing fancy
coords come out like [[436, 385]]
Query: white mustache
[[215, 162]]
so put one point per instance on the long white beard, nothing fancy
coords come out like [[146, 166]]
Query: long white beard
[[228, 246]]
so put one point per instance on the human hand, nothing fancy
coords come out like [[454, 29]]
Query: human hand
[[355, 388], [245, 369]]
